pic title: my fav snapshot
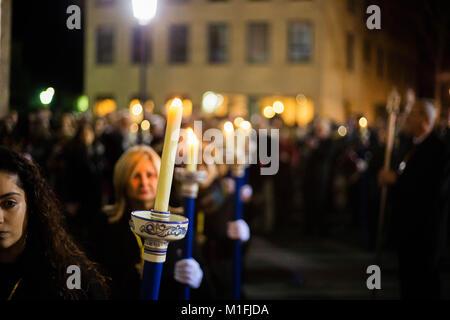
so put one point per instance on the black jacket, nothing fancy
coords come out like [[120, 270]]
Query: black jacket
[[35, 280], [419, 200]]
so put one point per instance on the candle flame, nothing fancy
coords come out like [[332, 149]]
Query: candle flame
[[238, 121], [137, 109], [192, 138], [363, 122], [145, 125], [228, 127], [177, 103], [245, 125]]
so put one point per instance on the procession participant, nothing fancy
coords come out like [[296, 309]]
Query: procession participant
[[215, 200], [318, 178], [135, 180], [36, 252], [80, 178], [418, 200]]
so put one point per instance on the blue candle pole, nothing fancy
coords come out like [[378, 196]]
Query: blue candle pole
[[151, 280], [238, 206], [189, 204], [189, 189]]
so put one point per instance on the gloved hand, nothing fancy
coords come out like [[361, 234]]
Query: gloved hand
[[246, 193], [188, 271], [228, 185], [238, 230]]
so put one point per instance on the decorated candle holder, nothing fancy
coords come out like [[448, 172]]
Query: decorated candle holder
[[158, 229], [189, 181]]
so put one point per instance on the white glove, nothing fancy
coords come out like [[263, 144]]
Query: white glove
[[229, 185], [238, 230], [361, 165], [188, 271], [246, 193]]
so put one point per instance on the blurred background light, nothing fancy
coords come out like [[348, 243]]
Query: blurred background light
[[363, 122], [145, 125], [83, 103], [268, 112], [278, 107]]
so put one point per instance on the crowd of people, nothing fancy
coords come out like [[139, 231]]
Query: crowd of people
[[75, 179]]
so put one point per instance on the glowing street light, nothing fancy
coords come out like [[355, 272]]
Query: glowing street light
[[46, 96], [144, 10], [210, 101], [83, 103]]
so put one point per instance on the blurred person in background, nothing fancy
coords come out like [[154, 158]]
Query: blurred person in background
[[79, 183], [216, 202], [419, 195], [7, 125], [318, 178]]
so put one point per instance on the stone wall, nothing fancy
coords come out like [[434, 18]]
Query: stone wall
[[5, 51]]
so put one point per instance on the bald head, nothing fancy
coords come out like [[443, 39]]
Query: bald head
[[427, 110], [421, 119]]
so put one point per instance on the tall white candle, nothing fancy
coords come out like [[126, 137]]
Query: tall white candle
[[168, 155]]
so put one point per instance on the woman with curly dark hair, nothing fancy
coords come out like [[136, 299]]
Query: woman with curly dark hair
[[35, 249]]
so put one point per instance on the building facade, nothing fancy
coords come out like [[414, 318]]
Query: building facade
[[313, 54], [5, 52]]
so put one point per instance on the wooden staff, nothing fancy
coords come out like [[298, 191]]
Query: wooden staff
[[392, 109]]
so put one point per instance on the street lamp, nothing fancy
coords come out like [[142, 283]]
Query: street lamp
[[46, 96], [143, 11]]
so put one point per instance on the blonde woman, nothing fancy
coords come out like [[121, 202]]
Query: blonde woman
[[135, 180]]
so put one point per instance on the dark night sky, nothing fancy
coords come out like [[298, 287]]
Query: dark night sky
[[45, 53]]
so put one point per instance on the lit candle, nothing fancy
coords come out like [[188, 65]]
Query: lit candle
[[192, 144], [240, 146], [228, 129], [168, 155], [244, 131]]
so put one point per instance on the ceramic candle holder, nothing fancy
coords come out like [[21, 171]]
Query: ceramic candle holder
[[189, 181], [158, 229]]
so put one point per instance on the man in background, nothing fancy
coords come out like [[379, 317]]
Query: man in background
[[418, 196]]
